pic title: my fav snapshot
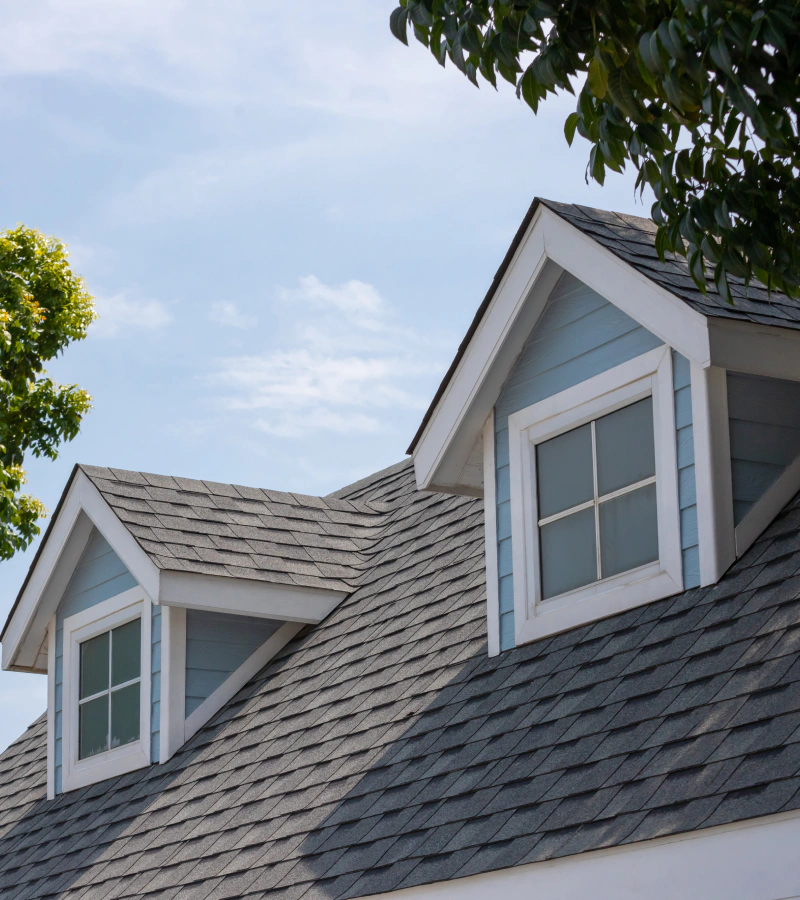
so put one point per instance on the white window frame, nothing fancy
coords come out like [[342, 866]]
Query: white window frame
[[649, 375], [75, 772]]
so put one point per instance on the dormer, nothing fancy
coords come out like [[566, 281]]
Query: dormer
[[630, 436], [153, 600]]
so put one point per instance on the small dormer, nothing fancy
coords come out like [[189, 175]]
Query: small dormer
[[630, 436], [153, 600]]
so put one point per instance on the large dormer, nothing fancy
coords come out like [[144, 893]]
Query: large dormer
[[152, 600], [631, 436]]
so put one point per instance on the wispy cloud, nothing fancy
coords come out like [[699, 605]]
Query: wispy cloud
[[119, 314], [347, 366], [229, 315]]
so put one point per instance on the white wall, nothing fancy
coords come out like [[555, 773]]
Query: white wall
[[754, 860]]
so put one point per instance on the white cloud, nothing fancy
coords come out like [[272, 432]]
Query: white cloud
[[346, 367], [225, 313], [119, 315]]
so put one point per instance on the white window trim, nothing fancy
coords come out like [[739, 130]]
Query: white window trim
[[646, 375], [84, 625]]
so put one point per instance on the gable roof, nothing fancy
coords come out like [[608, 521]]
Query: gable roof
[[632, 239], [383, 748], [188, 525]]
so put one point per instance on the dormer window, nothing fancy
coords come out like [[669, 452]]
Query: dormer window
[[594, 498], [105, 718], [110, 689], [597, 509]]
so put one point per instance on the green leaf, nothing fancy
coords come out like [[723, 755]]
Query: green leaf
[[398, 24], [569, 127], [597, 78]]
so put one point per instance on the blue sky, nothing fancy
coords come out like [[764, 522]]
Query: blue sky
[[287, 219]]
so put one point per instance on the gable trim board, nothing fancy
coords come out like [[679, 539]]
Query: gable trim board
[[551, 245], [755, 859], [81, 507]]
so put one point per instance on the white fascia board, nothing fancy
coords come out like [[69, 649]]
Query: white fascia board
[[755, 859], [238, 679], [550, 246], [457, 421], [244, 597], [755, 349], [83, 507]]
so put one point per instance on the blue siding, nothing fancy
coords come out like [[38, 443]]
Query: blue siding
[[579, 335], [99, 575], [764, 421], [687, 495], [216, 645]]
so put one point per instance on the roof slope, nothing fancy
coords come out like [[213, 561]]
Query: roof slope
[[384, 749], [633, 239], [240, 532]]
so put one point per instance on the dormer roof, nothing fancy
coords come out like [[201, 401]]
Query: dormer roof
[[614, 254], [196, 543]]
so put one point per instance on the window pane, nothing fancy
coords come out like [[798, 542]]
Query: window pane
[[564, 471], [93, 727], [125, 715], [94, 665], [126, 652], [569, 555], [625, 450], [629, 531]]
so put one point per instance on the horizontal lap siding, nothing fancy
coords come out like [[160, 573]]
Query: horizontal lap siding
[[764, 421], [579, 335], [99, 575], [216, 645], [687, 494]]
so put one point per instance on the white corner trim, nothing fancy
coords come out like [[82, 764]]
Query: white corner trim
[[712, 460], [244, 597], [83, 508], [755, 349], [76, 773], [755, 859], [767, 507], [647, 375], [238, 679], [490, 537], [51, 708], [173, 680]]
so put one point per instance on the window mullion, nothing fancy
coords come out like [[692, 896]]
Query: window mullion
[[596, 504]]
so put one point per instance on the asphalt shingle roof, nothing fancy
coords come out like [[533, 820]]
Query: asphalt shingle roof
[[383, 748], [224, 529], [633, 240]]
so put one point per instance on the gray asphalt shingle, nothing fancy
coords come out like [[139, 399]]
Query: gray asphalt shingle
[[384, 749]]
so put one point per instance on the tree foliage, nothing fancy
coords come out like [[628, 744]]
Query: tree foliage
[[43, 307], [701, 96]]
